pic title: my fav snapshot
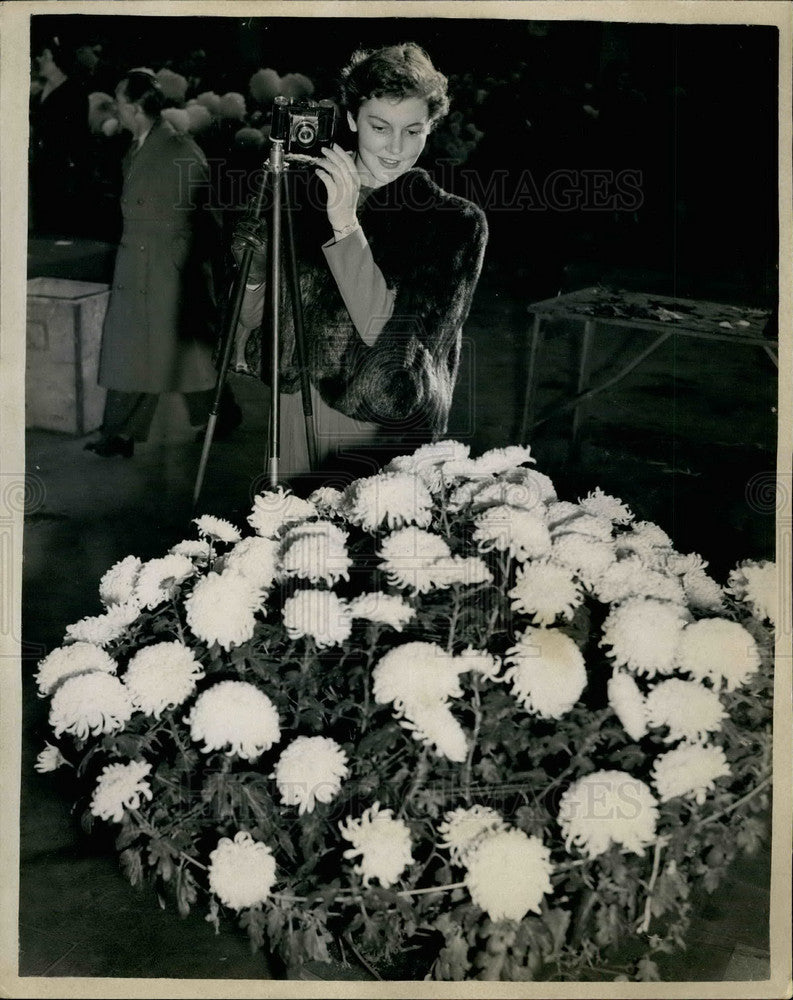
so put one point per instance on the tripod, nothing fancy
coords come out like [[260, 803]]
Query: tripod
[[276, 170]]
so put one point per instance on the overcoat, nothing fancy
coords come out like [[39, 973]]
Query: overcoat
[[159, 329]]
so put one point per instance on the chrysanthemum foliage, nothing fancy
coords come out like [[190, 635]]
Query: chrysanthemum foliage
[[464, 726]]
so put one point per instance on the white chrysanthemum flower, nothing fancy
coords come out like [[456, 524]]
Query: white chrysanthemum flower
[[690, 710], [583, 523], [508, 874], [89, 704], [49, 759], [682, 564], [318, 556], [216, 528], [462, 830], [522, 533], [501, 492], [236, 717], [428, 461], [382, 842], [689, 770], [159, 579], [256, 559], [644, 635], [66, 661], [648, 541], [385, 609], [480, 661], [629, 577], [438, 729], [756, 584], [604, 506], [326, 499], [120, 787], [101, 630], [275, 509], [320, 614], [545, 590], [198, 550], [492, 462], [222, 608], [559, 512], [393, 499], [241, 871], [537, 483], [450, 570], [310, 770], [628, 704], [719, 651], [586, 556], [417, 675], [462, 495], [546, 671], [117, 586], [702, 592], [605, 808], [407, 553], [162, 676]]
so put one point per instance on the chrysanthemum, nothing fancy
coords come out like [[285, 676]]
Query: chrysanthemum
[[222, 607], [604, 506], [522, 533], [66, 661], [310, 770], [450, 570], [545, 590], [583, 523], [159, 579], [519, 495], [198, 550], [382, 842], [702, 592], [216, 528], [407, 552], [120, 787], [326, 499], [689, 770], [648, 541], [393, 499], [537, 483], [241, 871], [628, 704], [385, 609], [256, 559], [756, 584], [89, 704], [644, 635], [463, 829], [275, 509], [480, 661], [586, 556], [318, 556], [629, 577], [680, 564], [463, 494], [559, 512], [101, 630], [492, 462], [236, 717], [438, 729], [417, 675], [162, 676], [605, 808], [546, 671], [49, 759], [320, 614], [428, 461], [117, 586], [719, 651], [690, 710], [508, 874]]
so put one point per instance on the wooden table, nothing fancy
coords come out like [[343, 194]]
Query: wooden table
[[665, 317]]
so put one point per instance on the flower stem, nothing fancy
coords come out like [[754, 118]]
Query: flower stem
[[453, 620], [420, 775], [477, 725], [644, 925], [735, 805]]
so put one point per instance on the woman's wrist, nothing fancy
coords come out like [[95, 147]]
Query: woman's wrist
[[339, 232]]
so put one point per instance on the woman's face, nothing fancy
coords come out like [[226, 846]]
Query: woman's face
[[391, 136], [126, 110]]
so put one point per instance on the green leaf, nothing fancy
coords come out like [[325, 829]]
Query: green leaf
[[132, 864]]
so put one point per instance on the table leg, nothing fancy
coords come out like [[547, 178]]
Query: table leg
[[583, 374], [535, 346]]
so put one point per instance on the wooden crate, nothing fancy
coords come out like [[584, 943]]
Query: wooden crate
[[64, 334]]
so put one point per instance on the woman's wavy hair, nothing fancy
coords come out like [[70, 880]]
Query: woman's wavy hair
[[142, 87], [397, 72]]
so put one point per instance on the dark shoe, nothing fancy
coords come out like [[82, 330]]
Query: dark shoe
[[107, 447]]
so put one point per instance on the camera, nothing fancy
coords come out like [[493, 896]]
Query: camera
[[303, 125]]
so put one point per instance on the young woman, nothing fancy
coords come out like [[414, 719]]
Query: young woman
[[389, 263]]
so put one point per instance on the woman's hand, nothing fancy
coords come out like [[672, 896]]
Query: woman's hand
[[337, 171]]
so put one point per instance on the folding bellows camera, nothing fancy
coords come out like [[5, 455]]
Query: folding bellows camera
[[303, 125]]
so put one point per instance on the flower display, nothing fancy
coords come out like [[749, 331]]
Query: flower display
[[256, 559], [602, 505], [629, 577], [162, 676], [221, 608], [276, 509], [382, 843], [463, 829], [319, 614], [589, 558], [216, 528], [241, 871], [66, 661], [158, 579], [89, 704], [120, 787], [385, 609], [690, 710], [522, 533], [644, 634], [546, 670], [428, 462], [117, 586], [491, 462], [49, 759], [756, 583], [320, 557], [719, 651], [508, 874], [546, 591], [418, 675], [101, 630], [310, 770], [690, 771], [393, 499], [605, 808], [235, 717], [628, 704]]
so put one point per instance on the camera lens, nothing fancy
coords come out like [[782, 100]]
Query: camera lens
[[306, 133]]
